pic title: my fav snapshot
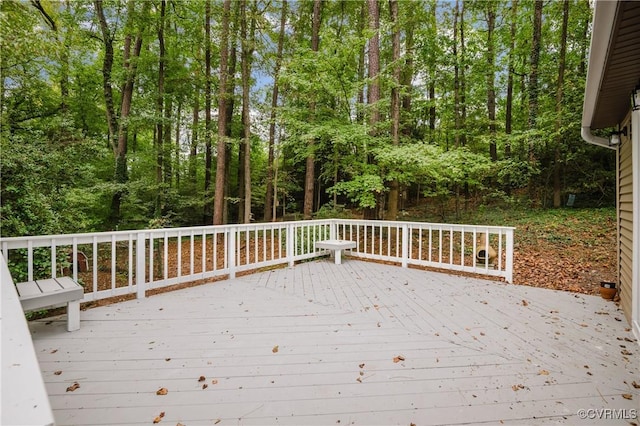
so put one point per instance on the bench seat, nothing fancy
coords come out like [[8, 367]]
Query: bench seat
[[336, 246], [40, 294]]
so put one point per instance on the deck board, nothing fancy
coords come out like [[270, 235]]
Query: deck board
[[466, 342]]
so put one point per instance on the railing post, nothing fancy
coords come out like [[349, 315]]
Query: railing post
[[231, 252], [333, 231], [140, 265], [508, 267], [291, 232], [405, 246]]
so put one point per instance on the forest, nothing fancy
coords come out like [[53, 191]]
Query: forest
[[127, 114]]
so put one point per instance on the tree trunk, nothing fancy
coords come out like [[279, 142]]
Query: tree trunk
[[509, 101], [392, 206], [557, 185], [218, 205], [309, 181], [456, 76], [208, 216], [269, 199], [193, 151], [373, 93], [120, 126], [247, 52], [407, 77], [159, 139], [533, 87], [491, 90]]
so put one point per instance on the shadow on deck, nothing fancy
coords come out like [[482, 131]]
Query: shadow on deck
[[357, 343]]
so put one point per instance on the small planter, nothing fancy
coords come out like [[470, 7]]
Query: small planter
[[608, 290]]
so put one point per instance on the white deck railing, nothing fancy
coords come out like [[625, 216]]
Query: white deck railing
[[117, 263]]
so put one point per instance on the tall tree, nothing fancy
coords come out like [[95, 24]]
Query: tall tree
[[159, 138], [491, 89], [557, 164], [510, 72], [269, 204], [247, 52], [207, 216], [219, 200], [534, 62], [119, 126], [309, 181], [373, 93], [392, 206]]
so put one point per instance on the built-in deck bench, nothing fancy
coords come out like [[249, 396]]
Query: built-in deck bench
[[40, 294], [336, 246], [24, 396]]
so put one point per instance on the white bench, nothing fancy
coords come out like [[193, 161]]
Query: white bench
[[40, 294], [336, 246], [24, 398]]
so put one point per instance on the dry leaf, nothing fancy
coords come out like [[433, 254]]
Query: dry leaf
[[275, 349], [161, 415], [398, 358], [214, 382], [73, 387], [359, 380], [626, 352], [162, 391], [204, 386], [167, 359], [627, 396], [53, 351], [157, 419], [525, 303], [543, 373], [217, 421], [57, 373], [361, 365], [635, 385], [202, 379], [517, 387], [179, 424]]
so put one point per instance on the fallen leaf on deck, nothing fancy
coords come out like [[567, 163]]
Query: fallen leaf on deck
[[275, 349], [73, 387], [617, 319], [361, 365], [398, 358], [359, 379], [626, 352], [627, 396], [217, 421], [167, 359], [525, 303], [162, 391], [517, 387], [53, 351], [202, 379], [214, 382], [57, 373], [179, 424], [635, 385], [157, 419], [584, 325], [543, 373], [205, 386]]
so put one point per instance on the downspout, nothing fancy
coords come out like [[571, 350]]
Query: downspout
[[595, 140]]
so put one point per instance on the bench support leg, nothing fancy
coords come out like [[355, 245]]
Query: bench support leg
[[73, 315], [338, 257]]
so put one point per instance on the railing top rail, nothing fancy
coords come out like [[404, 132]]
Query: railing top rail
[[434, 224], [249, 226]]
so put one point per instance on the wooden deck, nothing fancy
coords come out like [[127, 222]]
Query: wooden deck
[[321, 343]]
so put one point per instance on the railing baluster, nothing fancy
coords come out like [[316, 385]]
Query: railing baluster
[[113, 262], [54, 259]]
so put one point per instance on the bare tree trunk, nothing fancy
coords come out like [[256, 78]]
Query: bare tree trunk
[[130, 56], [218, 205], [361, 58], [208, 216], [373, 93], [159, 139], [193, 151], [309, 181], [407, 77], [509, 101], [247, 52], [269, 200], [456, 76], [533, 86], [491, 89], [557, 184], [392, 207]]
